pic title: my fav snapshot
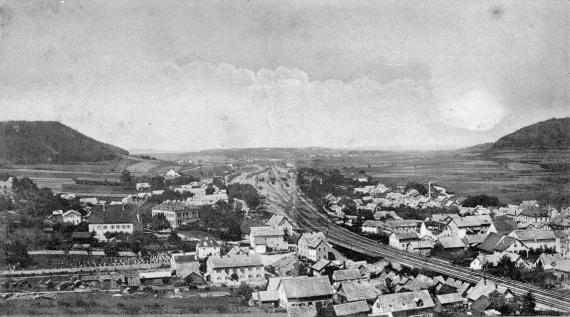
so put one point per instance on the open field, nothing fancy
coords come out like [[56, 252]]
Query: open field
[[105, 303], [461, 173]]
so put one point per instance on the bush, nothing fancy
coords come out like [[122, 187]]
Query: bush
[[481, 200]]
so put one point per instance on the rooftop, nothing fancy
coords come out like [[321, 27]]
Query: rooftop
[[344, 275], [536, 234], [239, 260], [266, 231], [207, 243], [351, 308], [405, 301], [305, 286]]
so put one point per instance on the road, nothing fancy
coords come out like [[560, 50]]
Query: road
[[289, 200]]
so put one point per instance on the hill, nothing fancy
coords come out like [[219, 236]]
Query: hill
[[33, 142], [553, 134]]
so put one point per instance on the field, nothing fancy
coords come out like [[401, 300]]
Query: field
[[462, 173], [105, 303]]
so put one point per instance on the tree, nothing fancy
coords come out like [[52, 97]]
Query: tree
[[210, 190], [174, 238], [234, 277], [111, 249], [528, 303], [481, 200], [135, 246], [324, 311], [157, 182], [17, 255], [159, 222], [127, 181], [244, 292]]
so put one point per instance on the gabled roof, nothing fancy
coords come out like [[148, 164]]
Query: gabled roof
[[320, 264], [355, 291], [351, 308], [71, 211], [268, 296], [207, 243], [273, 283], [184, 258], [113, 214], [410, 235], [496, 242], [305, 286], [313, 239], [485, 287], [505, 226], [454, 242], [276, 220], [345, 275], [481, 304], [239, 260], [531, 235], [452, 298], [266, 231], [373, 223], [405, 301], [534, 211], [472, 221]]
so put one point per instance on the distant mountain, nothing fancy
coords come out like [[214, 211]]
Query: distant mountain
[[553, 134], [32, 142]]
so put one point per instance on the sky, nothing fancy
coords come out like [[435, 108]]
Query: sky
[[179, 75]]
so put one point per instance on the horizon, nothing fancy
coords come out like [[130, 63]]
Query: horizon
[[188, 76]]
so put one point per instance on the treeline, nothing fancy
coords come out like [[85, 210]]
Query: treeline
[[245, 192], [482, 200]]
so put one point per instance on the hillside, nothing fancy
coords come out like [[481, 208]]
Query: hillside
[[33, 142], [553, 134]]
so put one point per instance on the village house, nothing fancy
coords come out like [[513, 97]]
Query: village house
[[404, 304], [177, 213], [352, 309], [305, 291], [348, 275], [452, 244], [314, 246], [536, 239], [142, 186], [172, 173], [534, 214], [411, 242], [452, 302], [468, 225], [71, 216], [485, 287], [493, 259], [354, 291], [235, 270], [184, 264], [207, 247], [403, 225], [556, 264], [372, 227], [504, 226], [278, 221], [264, 239], [113, 219], [496, 242]]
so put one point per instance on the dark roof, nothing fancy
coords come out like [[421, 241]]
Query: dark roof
[[505, 226], [207, 243], [81, 235], [114, 214], [481, 304], [496, 242], [533, 211]]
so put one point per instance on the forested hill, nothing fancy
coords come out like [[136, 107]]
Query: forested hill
[[553, 134], [32, 142]]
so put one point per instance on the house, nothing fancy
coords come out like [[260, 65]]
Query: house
[[235, 269], [372, 226], [485, 287], [172, 173], [266, 298], [278, 221], [319, 267], [505, 226], [177, 213], [314, 246], [287, 265], [404, 304], [113, 219], [411, 242], [352, 309], [557, 264], [496, 242], [536, 239], [354, 291], [263, 239], [71, 216], [142, 186], [534, 214], [493, 259], [348, 275], [184, 264], [235, 250], [159, 277], [305, 291], [451, 302], [207, 247], [468, 225], [402, 225], [481, 305], [88, 201], [452, 244]]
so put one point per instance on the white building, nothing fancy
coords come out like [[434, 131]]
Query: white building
[[262, 238], [305, 291], [207, 247], [313, 246], [235, 270], [72, 216]]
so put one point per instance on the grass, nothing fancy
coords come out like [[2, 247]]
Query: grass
[[103, 303]]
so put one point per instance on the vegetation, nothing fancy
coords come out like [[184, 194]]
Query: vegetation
[[245, 192], [169, 194], [481, 200], [506, 268], [421, 188], [158, 222], [221, 220], [16, 254], [32, 142], [553, 134]]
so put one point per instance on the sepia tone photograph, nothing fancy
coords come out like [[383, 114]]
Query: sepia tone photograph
[[285, 158]]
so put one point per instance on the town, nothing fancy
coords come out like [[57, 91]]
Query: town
[[180, 236]]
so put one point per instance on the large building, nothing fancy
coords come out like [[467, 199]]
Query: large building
[[177, 213], [235, 269], [305, 291], [263, 239], [207, 247], [113, 219]]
